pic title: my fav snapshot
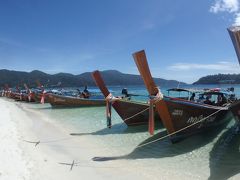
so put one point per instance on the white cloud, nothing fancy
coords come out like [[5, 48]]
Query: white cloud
[[229, 6], [237, 19], [222, 67]]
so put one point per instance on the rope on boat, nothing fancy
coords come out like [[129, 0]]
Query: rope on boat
[[142, 145], [152, 101], [110, 99], [168, 135], [64, 139], [135, 114]]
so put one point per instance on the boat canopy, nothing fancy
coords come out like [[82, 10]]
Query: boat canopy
[[185, 90], [183, 93]]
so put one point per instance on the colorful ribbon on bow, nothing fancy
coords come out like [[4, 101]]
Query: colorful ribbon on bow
[[152, 101], [43, 97], [110, 99]]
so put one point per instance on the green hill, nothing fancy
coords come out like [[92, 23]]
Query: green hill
[[111, 77], [219, 79]]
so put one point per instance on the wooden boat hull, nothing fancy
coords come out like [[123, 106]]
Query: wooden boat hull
[[38, 96], [133, 113], [17, 96], [21, 97], [14, 95], [66, 101], [184, 114], [180, 117]]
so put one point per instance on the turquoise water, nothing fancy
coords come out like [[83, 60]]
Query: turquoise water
[[213, 155]]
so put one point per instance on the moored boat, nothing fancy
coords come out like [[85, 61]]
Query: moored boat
[[132, 112], [40, 95], [18, 95], [181, 117], [30, 94], [69, 101]]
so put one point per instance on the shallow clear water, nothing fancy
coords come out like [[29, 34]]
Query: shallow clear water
[[214, 154]]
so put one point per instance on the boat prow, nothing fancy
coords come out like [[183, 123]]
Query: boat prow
[[132, 113], [234, 33], [180, 117]]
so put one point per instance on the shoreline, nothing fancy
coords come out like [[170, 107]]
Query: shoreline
[[43, 160], [22, 160]]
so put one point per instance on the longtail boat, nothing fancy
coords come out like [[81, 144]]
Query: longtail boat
[[16, 94], [234, 33], [131, 112], [39, 94], [69, 101], [180, 117], [29, 93], [6, 91]]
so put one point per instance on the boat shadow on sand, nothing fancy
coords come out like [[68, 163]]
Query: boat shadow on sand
[[224, 159], [164, 147]]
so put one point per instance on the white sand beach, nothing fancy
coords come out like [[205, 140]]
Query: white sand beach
[[22, 160]]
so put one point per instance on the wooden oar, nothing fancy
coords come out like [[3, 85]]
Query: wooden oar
[[142, 65], [234, 33]]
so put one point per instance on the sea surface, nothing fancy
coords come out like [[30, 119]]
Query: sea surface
[[210, 155]]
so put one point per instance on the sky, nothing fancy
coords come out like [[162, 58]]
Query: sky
[[183, 40]]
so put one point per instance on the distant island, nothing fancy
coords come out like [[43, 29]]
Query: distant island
[[219, 79], [111, 78]]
